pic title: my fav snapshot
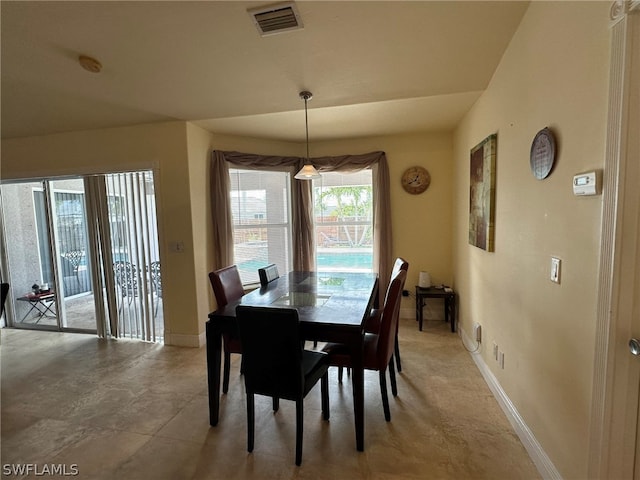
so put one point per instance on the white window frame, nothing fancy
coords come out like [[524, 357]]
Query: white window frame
[[321, 250], [286, 225]]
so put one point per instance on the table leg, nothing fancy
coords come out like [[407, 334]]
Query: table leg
[[47, 306], [421, 315], [453, 313], [446, 308], [33, 305], [214, 352], [357, 381]]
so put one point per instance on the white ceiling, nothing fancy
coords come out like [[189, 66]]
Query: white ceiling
[[380, 67]]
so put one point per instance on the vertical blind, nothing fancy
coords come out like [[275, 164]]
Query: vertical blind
[[133, 255]]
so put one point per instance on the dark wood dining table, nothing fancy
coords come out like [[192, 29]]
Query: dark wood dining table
[[332, 307]]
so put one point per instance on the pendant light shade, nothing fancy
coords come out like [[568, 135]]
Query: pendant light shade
[[308, 172]]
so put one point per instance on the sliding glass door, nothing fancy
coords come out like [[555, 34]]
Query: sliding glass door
[[81, 254], [28, 247], [71, 250]]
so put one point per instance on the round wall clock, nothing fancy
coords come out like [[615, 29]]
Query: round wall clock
[[543, 153], [416, 180]]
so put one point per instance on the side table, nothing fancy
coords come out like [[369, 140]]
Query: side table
[[42, 303], [449, 303]]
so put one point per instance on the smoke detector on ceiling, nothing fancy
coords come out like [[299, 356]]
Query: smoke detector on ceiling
[[90, 64], [277, 18]]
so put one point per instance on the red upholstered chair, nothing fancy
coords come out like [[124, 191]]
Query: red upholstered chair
[[378, 347], [227, 287], [372, 324]]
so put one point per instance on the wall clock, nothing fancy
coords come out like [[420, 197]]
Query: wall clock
[[543, 153], [416, 180]]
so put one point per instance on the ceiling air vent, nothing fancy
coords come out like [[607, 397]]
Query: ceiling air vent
[[281, 17]]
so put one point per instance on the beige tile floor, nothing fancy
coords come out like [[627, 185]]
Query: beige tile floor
[[80, 314], [131, 410]]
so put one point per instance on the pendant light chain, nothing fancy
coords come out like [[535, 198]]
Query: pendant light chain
[[306, 124]]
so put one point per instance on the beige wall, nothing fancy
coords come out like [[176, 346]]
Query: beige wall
[[554, 74], [198, 147]]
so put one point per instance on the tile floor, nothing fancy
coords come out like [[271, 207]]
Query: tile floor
[[130, 410]]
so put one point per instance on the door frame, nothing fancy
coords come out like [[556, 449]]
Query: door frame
[[616, 381]]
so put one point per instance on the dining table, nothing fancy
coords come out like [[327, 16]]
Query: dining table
[[332, 307]]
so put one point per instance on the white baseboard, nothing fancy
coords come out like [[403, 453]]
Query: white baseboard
[[181, 340], [540, 459]]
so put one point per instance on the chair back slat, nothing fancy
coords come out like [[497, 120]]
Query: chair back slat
[[126, 276]]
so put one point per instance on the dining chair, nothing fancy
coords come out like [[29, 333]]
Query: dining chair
[[276, 365], [227, 287], [74, 257], [372, 323], [126, 276], [155, 275], [268, 274], [378, 347]]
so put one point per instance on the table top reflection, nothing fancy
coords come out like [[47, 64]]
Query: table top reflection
[[340, 298]]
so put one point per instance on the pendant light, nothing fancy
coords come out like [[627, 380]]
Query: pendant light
[[308, 172]]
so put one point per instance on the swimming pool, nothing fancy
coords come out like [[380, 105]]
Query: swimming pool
[[328, 260], [344, 259]]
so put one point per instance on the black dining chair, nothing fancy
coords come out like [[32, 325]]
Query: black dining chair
[[268, 274], [227, 287], [276, 365], [378, 347]]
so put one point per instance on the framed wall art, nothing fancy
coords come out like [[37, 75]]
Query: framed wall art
[[482, 193]]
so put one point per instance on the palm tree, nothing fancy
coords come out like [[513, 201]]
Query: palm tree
[[353, 203]]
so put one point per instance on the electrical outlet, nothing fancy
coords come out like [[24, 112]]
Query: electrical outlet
[[555, 270], [477, 332]]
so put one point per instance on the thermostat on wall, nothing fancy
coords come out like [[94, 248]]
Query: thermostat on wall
[[585, 184]]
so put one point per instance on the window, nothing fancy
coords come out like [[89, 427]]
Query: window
[[343, 211], [261, 221]]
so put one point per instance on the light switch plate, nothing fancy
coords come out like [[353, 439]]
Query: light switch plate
[[555, 270]]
